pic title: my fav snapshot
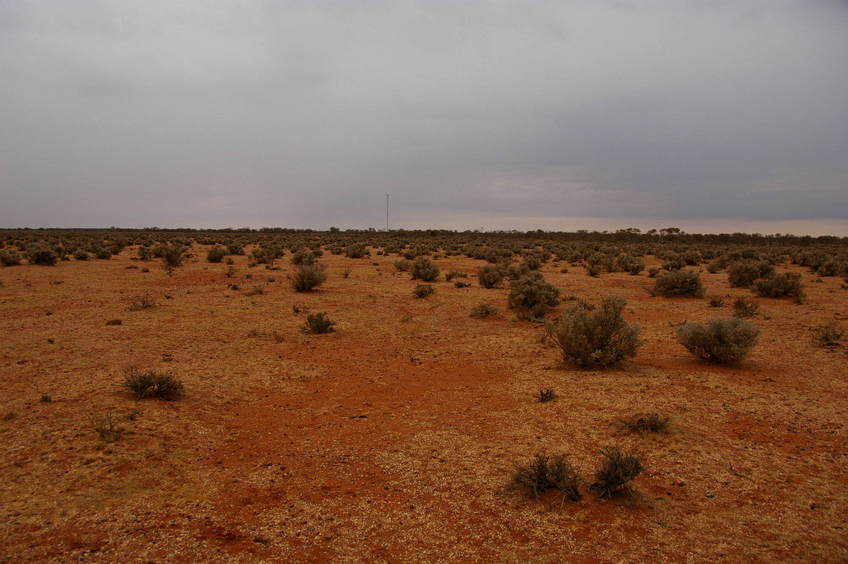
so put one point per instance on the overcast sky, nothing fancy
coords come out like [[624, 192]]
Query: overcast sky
[[713, 115]]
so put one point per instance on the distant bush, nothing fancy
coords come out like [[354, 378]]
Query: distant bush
[[402, 265], [172, 256], [600, 338], [144, 301], [829, 335], [630, 264], [424, 269], [617, 470], [356, 251], [454, 274], [545, 473], [745, 307], [308, 277], [107, 428], [516, 271], [423, 290], [80, 254], [645, 423], [723, 341], [674, 262], [10, 257], [679, 283], [235, 249], [152, 384], [43, 255], [216, 254], [716, 302], [742, 274], [318, 323], [532, 296], [481, 311], [546, 395], [787, 284], [489, 276]]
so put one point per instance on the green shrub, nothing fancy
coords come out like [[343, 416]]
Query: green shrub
[[10, 257], [43, 255], [356, 251], [532, 296], [402, 265], [235, 249], [787, 284], [424, 269], [308, 277], [828, 335], [545, 473], [172, 256], [489, 276], [216, 254], [679, 283], [722, 341], [595, 339], [743, 273], [617, 470], [318, 323], [80, 254], [152, 384]]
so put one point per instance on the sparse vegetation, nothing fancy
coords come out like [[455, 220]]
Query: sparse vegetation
[[722, 341], [152, 384], [595, 339], [645, 423], [308, 277], [679, 283], [489, 276], [318, 323], [532, 297], [617, 470], [828, 335], [481, 311], [786, 284], [424, 269], [544, 395], [545, 473], [423, 290], [144, 301], [745, 308]]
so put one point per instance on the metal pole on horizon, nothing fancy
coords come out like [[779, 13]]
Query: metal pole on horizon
[[387, 212]]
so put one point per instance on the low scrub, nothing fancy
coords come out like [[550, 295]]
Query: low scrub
[[318, 323], [645, 423], [545, 395], [307, 277], [616, 472], [152, 384], [786, 284], [722, 341], [10, 257], [43, 255], [216, 254], [743, 273], [481, 311], [745, 308], [489, 276], [545, 473], [424, 269], [423, 290], [595, 339], [828, 335], [679, 283], [532, 296]]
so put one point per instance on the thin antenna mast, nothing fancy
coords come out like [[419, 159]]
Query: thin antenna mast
[[387, 212]]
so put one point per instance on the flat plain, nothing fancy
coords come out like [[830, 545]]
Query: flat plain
[[393, 438]]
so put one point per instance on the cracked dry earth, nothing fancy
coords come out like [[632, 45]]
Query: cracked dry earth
[[392, 438]]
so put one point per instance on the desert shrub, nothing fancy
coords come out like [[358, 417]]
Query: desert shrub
[[145, 253], [645, 423], [545, 473], [268, 254], [742, 274], [172, 256], [144, 301], [516, 271], [255, 291], [235, 249], [423, 290], [532, 262], [489, 276], [318, 323], [10, 257], [152, 384], [828, 335], [308, 277], [545, 395], [630, 264], [481, 311], [653, 271], [454, 274], [402, 265], [43, 255], [356, 251], [786, 284], [303, 257], [461, 284], [745, 307], [102, 253], [424, 269], [723, 341], [107, 429], [830, 268], [80, 254], [716, 302], [674, 262], [615, 473], [216, 254], [532, 296], [714, 266], [595, 339], [113, 322], [679, 283]]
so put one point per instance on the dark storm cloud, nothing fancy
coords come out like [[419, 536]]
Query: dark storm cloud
[[496, 114]]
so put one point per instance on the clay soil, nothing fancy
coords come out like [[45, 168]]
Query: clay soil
[[393, 438]]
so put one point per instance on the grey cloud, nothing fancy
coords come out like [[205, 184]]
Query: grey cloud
[[307, 113]]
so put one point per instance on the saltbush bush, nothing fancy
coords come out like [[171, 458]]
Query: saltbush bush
[[424, 269], [532, 296], [679, 283], [308, 277], [595, 339], [722, 341]]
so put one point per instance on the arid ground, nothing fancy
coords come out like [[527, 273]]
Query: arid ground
[[393, 438]]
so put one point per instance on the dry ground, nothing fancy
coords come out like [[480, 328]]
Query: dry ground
[[392, 438]]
